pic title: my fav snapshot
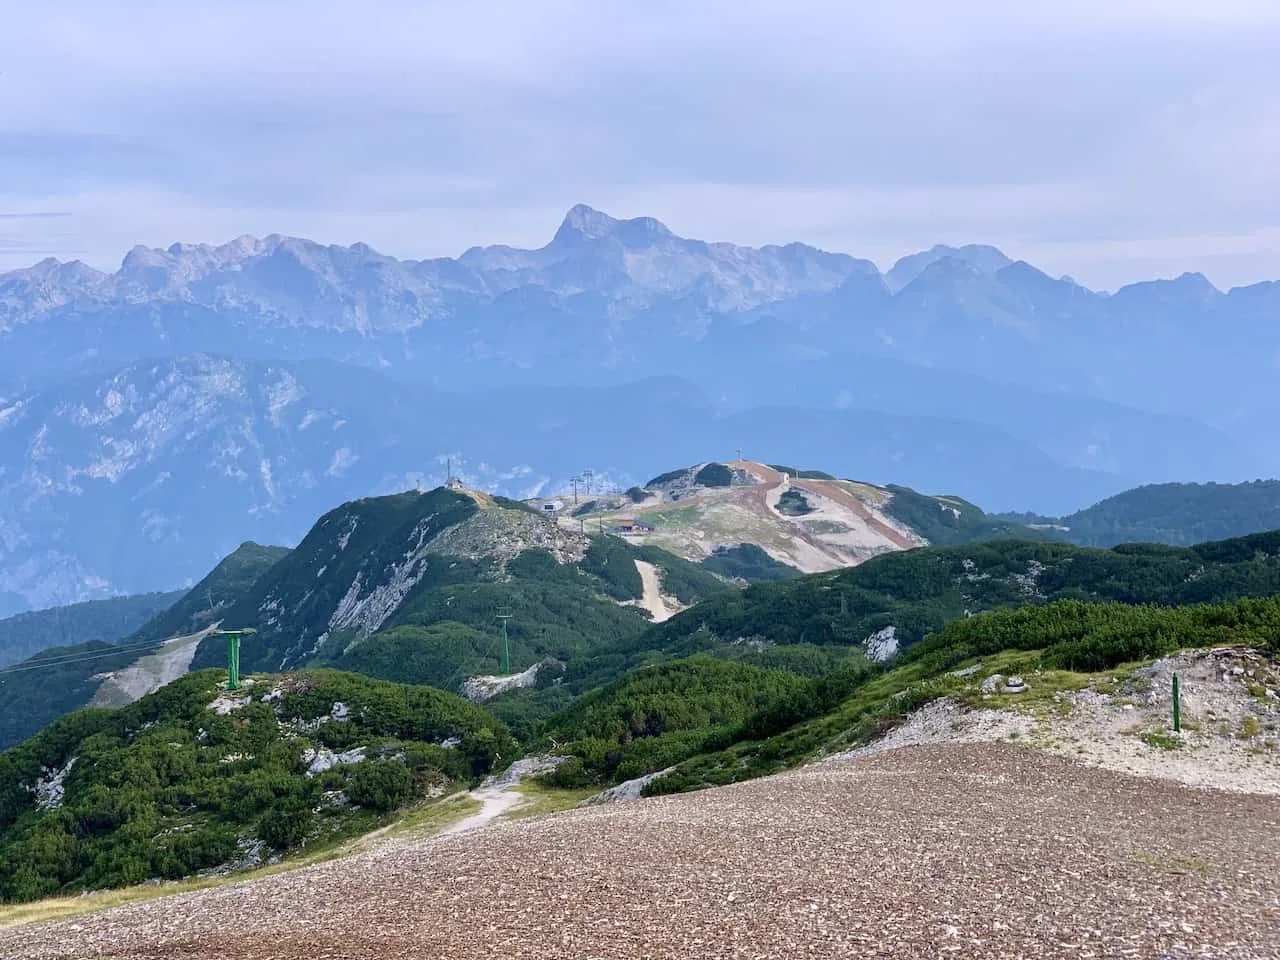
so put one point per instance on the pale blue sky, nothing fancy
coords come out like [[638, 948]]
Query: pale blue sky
[[1109, 139]]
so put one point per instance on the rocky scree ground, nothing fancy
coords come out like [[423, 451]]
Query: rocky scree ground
[[973, 850], [1122, 719]]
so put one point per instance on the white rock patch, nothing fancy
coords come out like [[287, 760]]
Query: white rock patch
[[477, 689], [882, 644], [51, 787], [322, 759]]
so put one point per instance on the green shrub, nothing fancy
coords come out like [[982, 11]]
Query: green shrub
[[285, 826], [793, 503], [714, 475], [746, 561], [380, 784]]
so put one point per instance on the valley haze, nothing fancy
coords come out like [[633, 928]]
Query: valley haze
[[273, 377]]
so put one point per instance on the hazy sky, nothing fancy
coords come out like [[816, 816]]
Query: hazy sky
[[1109, 139]]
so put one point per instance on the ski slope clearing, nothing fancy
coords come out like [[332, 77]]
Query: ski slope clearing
[[652, 600], [975, 850], [835, 523], [149, 672]]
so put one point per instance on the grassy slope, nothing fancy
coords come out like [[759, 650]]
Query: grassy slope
[[1056, 646]]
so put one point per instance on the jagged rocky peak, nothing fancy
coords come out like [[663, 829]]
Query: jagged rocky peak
[[584, 223]]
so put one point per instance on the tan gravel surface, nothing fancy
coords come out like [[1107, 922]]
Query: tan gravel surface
[[974, 850]]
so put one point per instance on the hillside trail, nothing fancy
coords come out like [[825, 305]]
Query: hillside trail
[[774, 494], [500, 795], [651, 599], [494, 802]]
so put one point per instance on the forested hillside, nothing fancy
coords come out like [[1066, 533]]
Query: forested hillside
[[211, 598], [744, 683], [892, 601], [60, 679], [948, 520], [410, 587], [1180, 514], [110, 620], [193, 777]]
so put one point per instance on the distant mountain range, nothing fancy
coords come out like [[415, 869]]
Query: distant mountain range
[[152, 418]]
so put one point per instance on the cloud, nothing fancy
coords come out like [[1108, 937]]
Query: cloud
[[874, 128]]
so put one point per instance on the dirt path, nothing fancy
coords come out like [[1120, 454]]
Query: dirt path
[[495, 801], [652, 598], [774, 493], [974, 851], [500, 795]]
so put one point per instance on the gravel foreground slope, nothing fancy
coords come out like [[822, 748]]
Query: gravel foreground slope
[[974, 850]]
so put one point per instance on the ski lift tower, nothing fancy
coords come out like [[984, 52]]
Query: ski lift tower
[[233, 653], [504, 615]]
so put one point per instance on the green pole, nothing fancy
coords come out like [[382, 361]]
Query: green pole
[[1177, 706], [506, 653], [233, 661]]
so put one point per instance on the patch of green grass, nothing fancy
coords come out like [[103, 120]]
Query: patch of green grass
[[1250, 727], [1161, 740], [1257, 691], [676, 516], [1174, 862], [431, 818], [542, 799]]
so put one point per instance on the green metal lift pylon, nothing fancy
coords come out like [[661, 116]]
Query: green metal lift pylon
[[505, 668], [233, 654]]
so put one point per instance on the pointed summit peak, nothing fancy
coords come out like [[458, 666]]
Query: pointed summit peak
[[584, 223]]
